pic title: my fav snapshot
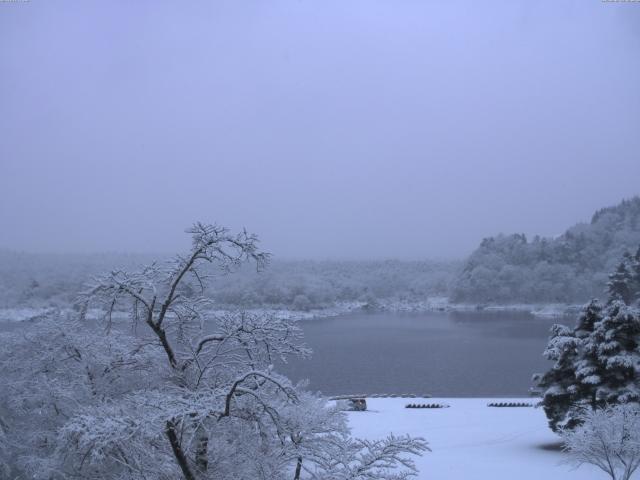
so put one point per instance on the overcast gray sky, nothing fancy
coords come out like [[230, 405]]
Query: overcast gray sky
[[333, 128]]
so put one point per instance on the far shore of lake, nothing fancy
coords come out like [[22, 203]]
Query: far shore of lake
[[433, 304]]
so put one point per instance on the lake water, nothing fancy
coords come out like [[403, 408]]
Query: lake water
[[462, 354], [456, 354]]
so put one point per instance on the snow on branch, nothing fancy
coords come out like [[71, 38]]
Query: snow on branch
[[356, 459], [156, 290], [608, 438]]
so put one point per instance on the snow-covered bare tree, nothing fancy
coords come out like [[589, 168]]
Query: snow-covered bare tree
[[220, 368], [355, 459], [155, 292], [177, 391], [324, 450], [608, 438]]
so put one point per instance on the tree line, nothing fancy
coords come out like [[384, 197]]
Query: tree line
[[40, 280], [571, 268]]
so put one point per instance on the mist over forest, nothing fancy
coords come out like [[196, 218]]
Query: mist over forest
[[505, 269]]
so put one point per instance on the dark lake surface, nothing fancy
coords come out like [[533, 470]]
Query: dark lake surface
[[457, 354], [460, 354]]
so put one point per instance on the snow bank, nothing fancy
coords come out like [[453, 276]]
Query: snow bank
[[473, 441]]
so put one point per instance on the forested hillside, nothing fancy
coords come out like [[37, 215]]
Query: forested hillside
[[570, 268], [40, 280]]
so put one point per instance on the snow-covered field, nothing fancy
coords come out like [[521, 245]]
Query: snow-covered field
[[473, 441]]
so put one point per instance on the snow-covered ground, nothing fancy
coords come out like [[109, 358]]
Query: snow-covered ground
[[473, 441], [442, 304]]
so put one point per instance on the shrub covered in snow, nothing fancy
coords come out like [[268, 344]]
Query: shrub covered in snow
[[608, 438]]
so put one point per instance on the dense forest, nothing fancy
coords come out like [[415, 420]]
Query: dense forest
[[39, 280], [570, 268]]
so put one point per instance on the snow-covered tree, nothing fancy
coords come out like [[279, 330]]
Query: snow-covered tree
[[559, 385], [634, 267], [608, 438], [571, 383], [596, 363], [176, 391], [620, 282], [324, 450], [616, 343], [355, 459], [51, 369]]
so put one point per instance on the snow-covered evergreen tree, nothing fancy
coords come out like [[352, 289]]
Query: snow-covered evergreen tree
[[619, 286], [597, 363], [588, 370], [559, 384], [616, 342], [635, 275], [572, 381]]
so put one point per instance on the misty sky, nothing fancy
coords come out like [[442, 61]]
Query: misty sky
[[331, 128]]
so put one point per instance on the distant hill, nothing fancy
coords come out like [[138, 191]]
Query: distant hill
[[47, 280], [570, 268]]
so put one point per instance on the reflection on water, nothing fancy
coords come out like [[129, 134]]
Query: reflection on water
[[444, 354]]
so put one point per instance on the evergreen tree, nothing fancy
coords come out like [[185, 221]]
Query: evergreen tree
[[597, 363], [635, 274], [619, 285], [559, 385], [616, 342], [571, 382], [588, 369]]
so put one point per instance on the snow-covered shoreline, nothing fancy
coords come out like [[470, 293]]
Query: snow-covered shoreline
[[435, 304], [430, 305]]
